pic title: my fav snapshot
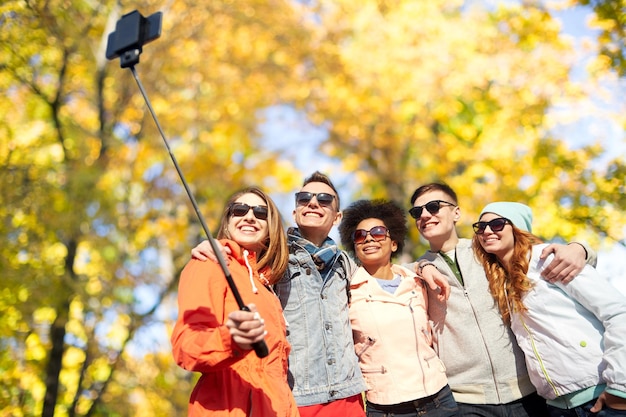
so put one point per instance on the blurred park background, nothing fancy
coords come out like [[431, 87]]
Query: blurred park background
[[510, 100]]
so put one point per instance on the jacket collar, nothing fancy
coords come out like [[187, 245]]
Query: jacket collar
[[361, 275]]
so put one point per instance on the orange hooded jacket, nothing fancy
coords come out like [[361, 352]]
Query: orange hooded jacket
[[234, 382]]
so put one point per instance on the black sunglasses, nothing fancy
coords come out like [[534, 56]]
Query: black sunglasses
[[496, 225], [241, 209], [324, 199], [377, 233], [432, 207]]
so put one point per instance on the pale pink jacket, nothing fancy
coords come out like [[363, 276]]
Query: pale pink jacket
[[392, 338]]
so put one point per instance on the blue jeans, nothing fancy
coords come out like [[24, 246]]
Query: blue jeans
[[529, 406], [441, 404], [584, 411]]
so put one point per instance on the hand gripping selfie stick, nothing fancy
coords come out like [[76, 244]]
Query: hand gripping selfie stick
[[132, 31]]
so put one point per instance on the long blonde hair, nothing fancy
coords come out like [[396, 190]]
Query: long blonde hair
[[508, 283], [273, 259]]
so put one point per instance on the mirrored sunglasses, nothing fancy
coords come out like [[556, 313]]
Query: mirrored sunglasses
[[241, 209], [378, 233], [496, 225], [323, 199], [433, 207]]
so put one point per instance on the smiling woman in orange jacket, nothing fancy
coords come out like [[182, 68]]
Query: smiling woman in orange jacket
[[213, 337]]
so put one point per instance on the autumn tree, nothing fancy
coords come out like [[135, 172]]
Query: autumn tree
[[415, 92], [610, 18], [95, 225], [601, 204]]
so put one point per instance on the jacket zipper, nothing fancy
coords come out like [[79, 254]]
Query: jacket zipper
[[368, 343], [482, 338], [538, 356]]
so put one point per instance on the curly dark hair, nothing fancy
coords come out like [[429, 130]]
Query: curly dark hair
[[391, 214]]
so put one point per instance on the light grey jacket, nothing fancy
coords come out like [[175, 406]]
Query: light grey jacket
[[574, 335]]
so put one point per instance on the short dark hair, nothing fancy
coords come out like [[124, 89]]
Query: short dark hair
[[435, 186], [391, 214], [323, 178]]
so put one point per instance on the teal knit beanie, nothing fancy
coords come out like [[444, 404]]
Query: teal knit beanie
[[520, 214]]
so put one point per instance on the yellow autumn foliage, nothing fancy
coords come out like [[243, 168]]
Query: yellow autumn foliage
[[96, 224]]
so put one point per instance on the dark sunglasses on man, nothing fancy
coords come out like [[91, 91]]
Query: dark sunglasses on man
[[241, 209], [433, 208], [378, 233], [323, 199], [496, 225]]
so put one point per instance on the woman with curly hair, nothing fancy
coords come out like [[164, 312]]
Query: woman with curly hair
[[392, 336], [573, 335]]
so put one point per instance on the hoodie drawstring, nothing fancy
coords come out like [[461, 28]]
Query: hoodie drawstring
[[250, 274]]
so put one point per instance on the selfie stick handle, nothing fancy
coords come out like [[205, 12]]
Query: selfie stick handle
[[259, 347]]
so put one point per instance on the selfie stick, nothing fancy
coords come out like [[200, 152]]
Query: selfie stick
[[132, 32]]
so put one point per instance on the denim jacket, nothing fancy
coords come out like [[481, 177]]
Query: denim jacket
[[323, 365]]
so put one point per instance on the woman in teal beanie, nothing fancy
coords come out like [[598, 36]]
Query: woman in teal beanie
[[573, 335]]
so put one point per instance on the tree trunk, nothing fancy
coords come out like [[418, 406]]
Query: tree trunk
[[53, 370], [57, 338]]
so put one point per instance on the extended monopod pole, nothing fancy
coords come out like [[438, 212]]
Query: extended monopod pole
[[132, 31]]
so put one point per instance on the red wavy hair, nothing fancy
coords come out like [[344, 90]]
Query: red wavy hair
[[508, 283]]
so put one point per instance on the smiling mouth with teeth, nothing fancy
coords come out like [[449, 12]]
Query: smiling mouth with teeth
[[428, 225]]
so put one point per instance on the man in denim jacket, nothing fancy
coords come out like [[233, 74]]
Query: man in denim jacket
[[324, 372]]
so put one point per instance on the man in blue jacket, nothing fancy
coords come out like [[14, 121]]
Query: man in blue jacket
[[323, 368]]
